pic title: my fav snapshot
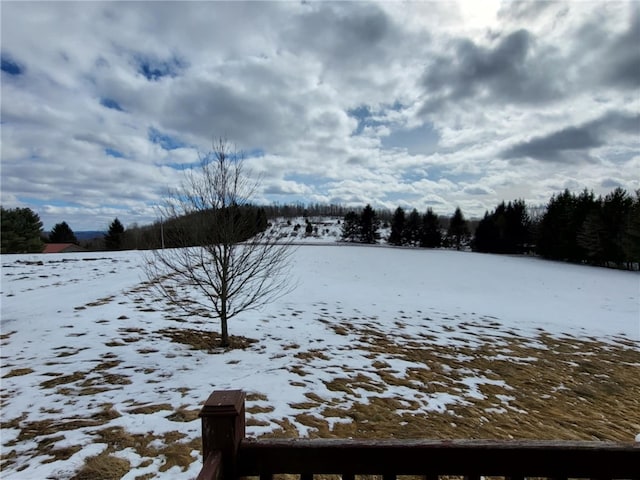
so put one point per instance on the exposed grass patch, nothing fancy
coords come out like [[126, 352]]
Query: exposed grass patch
[[169, 445], [106, 365], [69, 353], [62, 380], [144, 351], [149, 409], [184, 414], [18, 372], [103, 467], [5, 336], [256, 397], [49, 427], [204, 340], [260, 409], [315, 353], [100, 301]]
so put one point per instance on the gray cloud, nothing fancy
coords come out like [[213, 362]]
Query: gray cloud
[[511, 70], [574, 144]]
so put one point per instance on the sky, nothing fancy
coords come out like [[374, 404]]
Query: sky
[[433, 104]]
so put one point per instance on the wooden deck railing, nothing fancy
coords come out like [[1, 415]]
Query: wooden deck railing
[[228, 454]]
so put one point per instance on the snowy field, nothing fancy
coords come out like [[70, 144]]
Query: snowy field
[[372, 340]]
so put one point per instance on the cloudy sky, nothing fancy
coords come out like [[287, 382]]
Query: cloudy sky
[[419, 104]]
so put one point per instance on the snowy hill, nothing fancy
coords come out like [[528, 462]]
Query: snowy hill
[[324, 230]]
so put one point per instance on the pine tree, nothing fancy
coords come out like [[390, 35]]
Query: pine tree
[[412, 227], [369, 225], [397, 227], [591, 237], [516, 232], [616, 208], [486, 235], [458, 230], [631, 240], [431, 234], [62, 233], [21, 231], [113, 238], [555, 229], [351, 227]]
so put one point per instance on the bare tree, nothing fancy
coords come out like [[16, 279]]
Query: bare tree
[[223, 260]]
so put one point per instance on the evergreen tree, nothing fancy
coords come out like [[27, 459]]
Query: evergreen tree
[[487, 235], [431, 235], [458, 230], [581, 228], [412, 229], [631, 240], [113, 238], [616, 209], [506, 230], [397, 227], [21, 231], [556, 238], [261, 220], [518, 227], [369, 226], [62, 233], [351, 227], [591, 237]]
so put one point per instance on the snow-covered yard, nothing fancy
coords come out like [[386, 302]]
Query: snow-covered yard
[[373, 341]]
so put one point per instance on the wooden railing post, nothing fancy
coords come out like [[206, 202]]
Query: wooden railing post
[[223, 428]]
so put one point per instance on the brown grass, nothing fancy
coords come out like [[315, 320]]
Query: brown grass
[[49, 427], [260, 409], [204, 340], [62, 380], [5, 336], [175, 451], [149, 409], [543, 388], [18, 372], [103, 467], [184, 414]]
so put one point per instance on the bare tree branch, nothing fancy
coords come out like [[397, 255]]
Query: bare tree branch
[[224, 262]]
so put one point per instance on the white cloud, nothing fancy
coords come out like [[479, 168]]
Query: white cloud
[[383, 103]]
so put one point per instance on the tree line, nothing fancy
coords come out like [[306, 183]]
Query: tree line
[[580, 228]]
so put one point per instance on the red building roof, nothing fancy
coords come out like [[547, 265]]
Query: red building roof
[[62, 248]]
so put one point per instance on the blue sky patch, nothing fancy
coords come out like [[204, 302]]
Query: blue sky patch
[[113, 153], [154, 69], [364, 116], [10, 66], [110, 103], [166, 141], [420, 140]]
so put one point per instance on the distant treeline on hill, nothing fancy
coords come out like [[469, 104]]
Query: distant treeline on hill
[[580, 228]]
